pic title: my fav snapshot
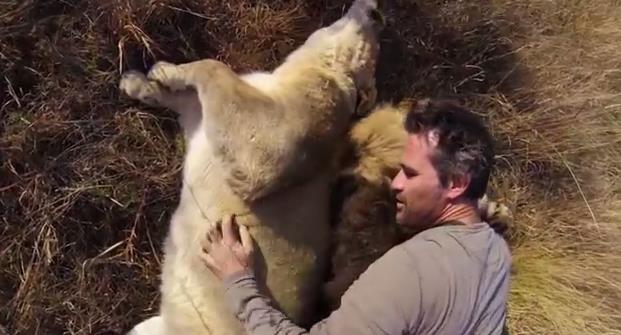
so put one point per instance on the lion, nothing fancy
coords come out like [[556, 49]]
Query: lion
[[261, 146], [365, 217]]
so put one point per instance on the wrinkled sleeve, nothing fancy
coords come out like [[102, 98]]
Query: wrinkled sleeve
[[384, 300]]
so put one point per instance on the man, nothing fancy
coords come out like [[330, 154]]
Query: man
[[450, 278]]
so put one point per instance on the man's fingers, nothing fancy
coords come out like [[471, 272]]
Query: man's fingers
[[206, 246], [228, 230], [246, 239], [209, 261], [218, 230], [214, 234]]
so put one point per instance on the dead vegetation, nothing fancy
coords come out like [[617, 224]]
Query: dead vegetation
[[88, 179]]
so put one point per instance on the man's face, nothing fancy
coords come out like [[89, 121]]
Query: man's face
[[420, 196]]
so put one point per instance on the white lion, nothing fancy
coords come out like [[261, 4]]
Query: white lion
[[259, 145]]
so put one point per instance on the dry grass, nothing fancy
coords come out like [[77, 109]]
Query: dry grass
[[88, 179]]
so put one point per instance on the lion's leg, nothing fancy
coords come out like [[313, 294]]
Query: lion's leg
[[236, 117], [137, 86], [498, 215], [367, 97]]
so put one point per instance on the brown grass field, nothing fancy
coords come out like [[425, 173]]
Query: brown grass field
[[88, 179]]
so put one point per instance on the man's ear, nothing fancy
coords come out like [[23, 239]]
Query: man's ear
[[458, 185]]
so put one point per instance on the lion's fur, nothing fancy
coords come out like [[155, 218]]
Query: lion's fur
[[366, 220], [259, 145], [366, 228]]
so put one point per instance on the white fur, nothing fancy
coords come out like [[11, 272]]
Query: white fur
[[290, 226]]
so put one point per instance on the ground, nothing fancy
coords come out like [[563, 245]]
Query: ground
[[88, 178]]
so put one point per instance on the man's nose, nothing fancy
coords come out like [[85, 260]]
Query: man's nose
[[397, 181]]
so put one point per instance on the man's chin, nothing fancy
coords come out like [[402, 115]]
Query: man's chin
[[399, 218], [408, 227], [405, 229]]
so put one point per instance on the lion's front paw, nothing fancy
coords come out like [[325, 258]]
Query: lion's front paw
[[169, 75], [137, 86]]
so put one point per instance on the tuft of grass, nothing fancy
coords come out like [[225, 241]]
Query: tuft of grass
[[560, 167]]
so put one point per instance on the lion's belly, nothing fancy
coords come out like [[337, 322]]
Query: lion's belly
[[291, 231], [192, 299]]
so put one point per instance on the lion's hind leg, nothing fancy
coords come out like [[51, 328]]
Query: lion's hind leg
[[496, 214]]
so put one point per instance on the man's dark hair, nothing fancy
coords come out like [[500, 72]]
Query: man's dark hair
[[465, 145]]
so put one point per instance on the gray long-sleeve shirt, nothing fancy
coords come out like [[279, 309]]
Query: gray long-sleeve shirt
[[451, 279]]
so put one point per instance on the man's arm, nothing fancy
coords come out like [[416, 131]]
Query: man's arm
[[384, 300], [254, 310]]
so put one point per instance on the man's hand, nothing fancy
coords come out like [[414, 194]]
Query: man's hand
[[228, 249]]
